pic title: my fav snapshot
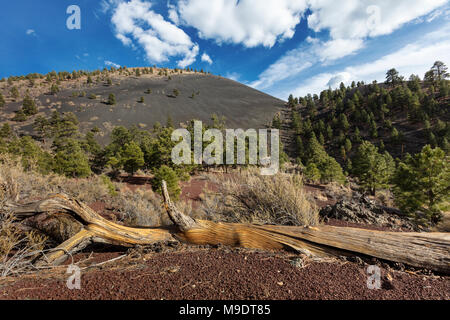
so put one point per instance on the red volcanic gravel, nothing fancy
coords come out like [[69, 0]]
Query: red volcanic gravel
[[227, 274]]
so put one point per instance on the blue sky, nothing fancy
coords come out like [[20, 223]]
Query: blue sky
[[276, 46]]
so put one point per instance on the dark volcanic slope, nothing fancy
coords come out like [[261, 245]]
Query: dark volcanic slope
[[242, 106]]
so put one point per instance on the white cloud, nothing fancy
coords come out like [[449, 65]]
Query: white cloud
[[107, 5], [31, 32], [134, 21], [366, 18], [173, 15], [349, 24], [304, 57], [190, 57], [415, 58], [233, 76], [248, 22], [112, 64], [206, 58], [336, 80], [291, 64], [338, 48]]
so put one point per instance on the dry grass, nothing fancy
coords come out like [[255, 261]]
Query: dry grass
[[140, 208], [18, 248], [251, 198], [137, 208]]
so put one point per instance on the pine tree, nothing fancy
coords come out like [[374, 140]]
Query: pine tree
[[70, 160], [29, 106], [329, 168], [348, 145], [329, 133], [440, 70], [132, 158], [20, 116], [422, 182], [14, 92], [276, 122], [312, 172], [395, 136], [291, 101], [344, 122], [42, 127], [112, 99], [372, 168], [5, 131], [392, 77], [54, 89], [170, 176], [2, 100]]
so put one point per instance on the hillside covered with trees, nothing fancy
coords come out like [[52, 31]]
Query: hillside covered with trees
[[393, 134]]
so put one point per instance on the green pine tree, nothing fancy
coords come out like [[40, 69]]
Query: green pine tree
[[372, 169], [170, 176], [132, 158], [112, 99], [2, 100], [70, 160], [29, 106], [422, 182]]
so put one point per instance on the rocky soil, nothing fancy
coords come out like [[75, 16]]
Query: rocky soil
[[362, 210], [221, 273]]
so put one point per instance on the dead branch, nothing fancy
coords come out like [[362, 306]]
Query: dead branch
[[424, 250]]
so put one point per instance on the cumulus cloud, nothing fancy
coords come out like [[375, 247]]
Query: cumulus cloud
[[366, 18], [415, 58], [297, 60], [206, 58], [291, 64], [31, 32], [248, 22], [135, 22], [349, 24], [112, 64], [233, 76], [336, 80]]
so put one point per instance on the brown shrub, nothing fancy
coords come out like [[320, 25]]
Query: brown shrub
[[137, 208], [252, 198], [18, 248]]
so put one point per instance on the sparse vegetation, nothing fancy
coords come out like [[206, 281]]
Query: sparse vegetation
[[250, 197], [171, 177], [54, 89], [112, 99], [2, 100], [14, 92]]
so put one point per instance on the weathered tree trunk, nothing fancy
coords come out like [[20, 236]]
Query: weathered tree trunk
[[424, 250]]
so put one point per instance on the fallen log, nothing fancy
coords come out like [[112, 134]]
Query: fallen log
[[423, 250]]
